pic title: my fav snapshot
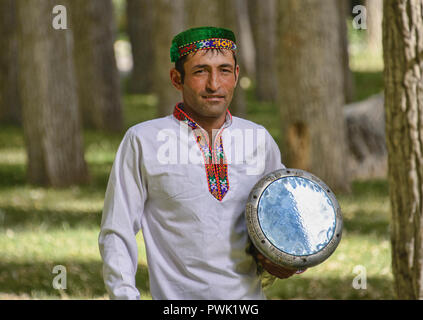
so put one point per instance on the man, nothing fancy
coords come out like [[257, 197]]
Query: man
[[184, 181]]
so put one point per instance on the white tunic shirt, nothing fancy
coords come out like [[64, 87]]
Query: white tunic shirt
[[195, 243]]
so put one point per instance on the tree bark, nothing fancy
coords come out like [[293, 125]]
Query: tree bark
[[349, 89], [140, 31], [311, 92], [230, 15], [96, 70], [168, 22], [49, 101], [264, 20], [9, 96], [374, 25], [220, 13], [403, 76], [233, 13], [201, 13], [245, 37]]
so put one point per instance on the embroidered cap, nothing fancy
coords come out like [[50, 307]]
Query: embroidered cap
[[201, 38]]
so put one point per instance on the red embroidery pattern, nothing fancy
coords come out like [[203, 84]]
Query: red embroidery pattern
[[214, 160], [212, 43]]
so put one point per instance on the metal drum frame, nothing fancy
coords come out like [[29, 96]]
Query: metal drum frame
[[267, 248]]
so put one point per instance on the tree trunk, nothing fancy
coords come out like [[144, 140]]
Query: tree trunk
[[96, 69], [403, 75], [349, 89], [230, 15], [374, 25], [264, 19], [168, 22], [49, 101], [201, 13], [311, 92], [140, 31], [216, 13], [245, 37], [9, 96]]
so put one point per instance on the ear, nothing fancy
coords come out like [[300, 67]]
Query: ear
[[175, 78], [236, 74]]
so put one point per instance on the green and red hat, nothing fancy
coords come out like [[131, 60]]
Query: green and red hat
[[201, 38]]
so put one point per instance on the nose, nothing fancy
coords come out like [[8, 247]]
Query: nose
[[213, 82]]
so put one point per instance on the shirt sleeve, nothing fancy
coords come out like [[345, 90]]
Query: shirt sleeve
[[273, 162], [273, 155], [121, 221]]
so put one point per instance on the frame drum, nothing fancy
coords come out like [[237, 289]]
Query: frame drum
[[293, 219]]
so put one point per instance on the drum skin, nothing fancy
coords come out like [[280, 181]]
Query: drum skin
[[299, 238]]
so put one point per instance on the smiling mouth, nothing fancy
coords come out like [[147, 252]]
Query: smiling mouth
[[213, 97]]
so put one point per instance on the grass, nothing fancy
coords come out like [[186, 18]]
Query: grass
[[44, 227], [365, 242]]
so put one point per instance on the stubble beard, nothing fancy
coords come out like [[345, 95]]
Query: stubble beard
[[208, 109]]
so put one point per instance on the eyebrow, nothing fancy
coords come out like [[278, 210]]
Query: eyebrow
[[199, 66], [225, 65]]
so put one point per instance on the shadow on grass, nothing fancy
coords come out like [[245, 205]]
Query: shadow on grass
[[19, 219], [330, 288], [15, 217], [367, 83], [83, 279], [366, 225], [370, 214], [12, 175], [373, 188], [18, 216]]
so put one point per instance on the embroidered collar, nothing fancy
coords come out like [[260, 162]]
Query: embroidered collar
[[215, 163], [180, 114]]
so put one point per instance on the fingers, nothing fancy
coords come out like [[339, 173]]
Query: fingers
[[277, 270], [260, 256], [301, 271]]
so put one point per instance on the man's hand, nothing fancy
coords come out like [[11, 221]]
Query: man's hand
[[274, 269]]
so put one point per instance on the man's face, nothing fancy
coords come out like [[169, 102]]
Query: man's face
[[209, 83]]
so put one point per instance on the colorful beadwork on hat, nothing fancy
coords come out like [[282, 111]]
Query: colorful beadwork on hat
[[201, 38], [215, 162]]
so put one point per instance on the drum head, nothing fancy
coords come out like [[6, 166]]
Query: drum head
[[293, 218]]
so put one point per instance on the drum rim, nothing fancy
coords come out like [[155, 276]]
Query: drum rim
[[261, 242]]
